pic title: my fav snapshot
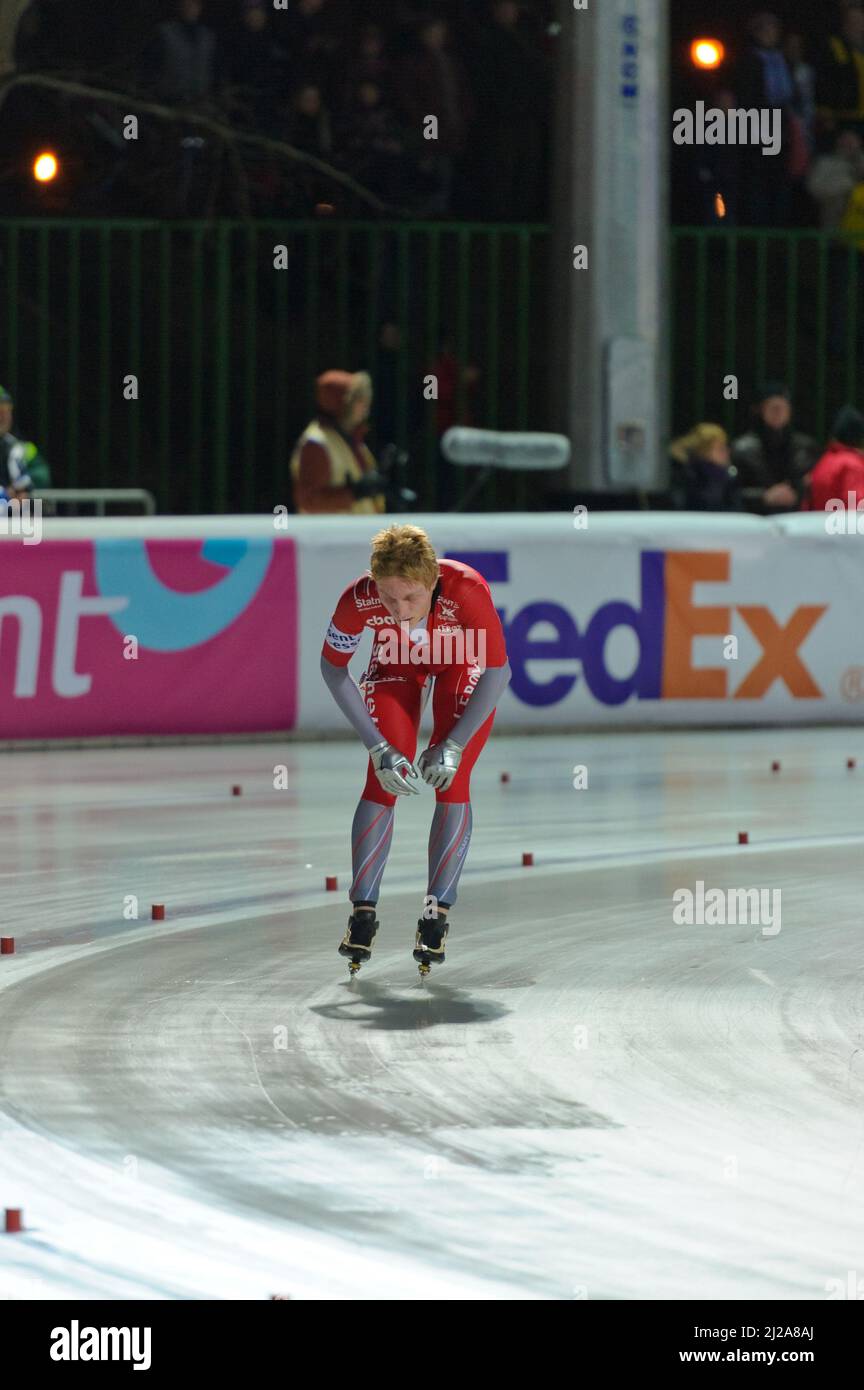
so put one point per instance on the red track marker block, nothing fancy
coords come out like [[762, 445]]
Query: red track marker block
[[331, 883], [850, 763], [236, 791], [775, 767], [743, 837], [7, 945], [157, 912], [505, 776], [527, 859], [13, 1220]]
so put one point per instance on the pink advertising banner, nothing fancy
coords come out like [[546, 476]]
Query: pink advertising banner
[[132, 636]]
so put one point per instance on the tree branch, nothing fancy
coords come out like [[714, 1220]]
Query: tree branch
[[218, 129]]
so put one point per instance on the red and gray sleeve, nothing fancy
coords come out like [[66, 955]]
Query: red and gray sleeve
[[479, 613], [344, 636], [346, 693]]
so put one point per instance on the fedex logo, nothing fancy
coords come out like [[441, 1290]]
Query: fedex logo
[[666, 625]]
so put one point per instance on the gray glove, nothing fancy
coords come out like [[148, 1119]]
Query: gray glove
[[392, 768], [440, 763]]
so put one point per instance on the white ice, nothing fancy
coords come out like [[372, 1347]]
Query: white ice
[[586, 1101]]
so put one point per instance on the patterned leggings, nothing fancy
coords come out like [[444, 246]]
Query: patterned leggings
[[395, 699]]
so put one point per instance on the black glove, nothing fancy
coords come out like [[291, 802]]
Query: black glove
[[367, 486]]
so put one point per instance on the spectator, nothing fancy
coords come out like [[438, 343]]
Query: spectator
[[764, 79], [840, 470], [22, 467], [804, 79], [257, 69], [846, 278], [703, 477], [307, 33], [772, 456], [840, 72], [449, 373], [765, 82], [513, 120], [391, 354], [371, 63], [375, 145], [49, 36], [456, 404], [852, 221], [182, 58], [332, 470], [180, 66], [31, 47], [309, 126], [833, 176], [432, 81], [717, 173]]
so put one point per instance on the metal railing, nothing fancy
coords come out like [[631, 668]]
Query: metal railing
[[97, 497], [224, 347], [757, 305]]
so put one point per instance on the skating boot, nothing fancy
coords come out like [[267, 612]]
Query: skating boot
[[429, 946], [356, 944]]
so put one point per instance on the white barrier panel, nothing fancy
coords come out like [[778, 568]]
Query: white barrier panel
[[610, 619], [644, 618]]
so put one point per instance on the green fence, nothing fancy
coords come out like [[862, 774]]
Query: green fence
[[225, 346], [764, 305]]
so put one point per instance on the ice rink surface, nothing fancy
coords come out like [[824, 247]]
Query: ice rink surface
[[586, 1101]]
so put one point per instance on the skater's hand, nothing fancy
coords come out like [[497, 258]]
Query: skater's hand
[[439, 763], [392, 768]]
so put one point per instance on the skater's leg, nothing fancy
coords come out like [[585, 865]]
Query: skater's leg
[[395, 707], [450, 833], [371, 836], [449, 838]]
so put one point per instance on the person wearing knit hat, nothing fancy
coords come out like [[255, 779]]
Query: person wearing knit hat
[[702, 478], [332, 470], [772, 456], [838, 478]]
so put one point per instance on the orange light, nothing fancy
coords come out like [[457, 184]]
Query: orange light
[[719, 205], [707, 53], [45, 167]]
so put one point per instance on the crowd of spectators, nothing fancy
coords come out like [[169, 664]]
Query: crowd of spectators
[[354, 85], [817, 82], [773, 466]]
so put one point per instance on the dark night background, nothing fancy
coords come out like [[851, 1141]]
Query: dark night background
[[102, 41]]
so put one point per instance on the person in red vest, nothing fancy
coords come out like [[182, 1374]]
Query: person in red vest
[[839, 474]]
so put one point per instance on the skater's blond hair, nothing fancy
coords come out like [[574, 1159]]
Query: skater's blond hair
[[406, 552]]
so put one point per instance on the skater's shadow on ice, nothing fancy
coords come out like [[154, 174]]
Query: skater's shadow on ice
[[373, 1007]]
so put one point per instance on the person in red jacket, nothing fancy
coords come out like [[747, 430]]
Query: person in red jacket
[[432, 621], [839, 474]]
